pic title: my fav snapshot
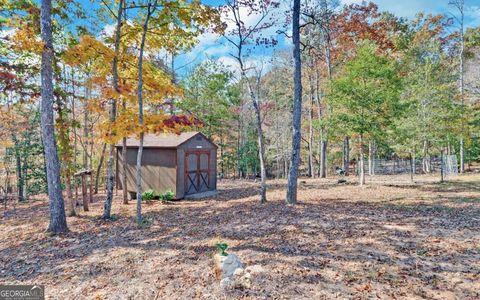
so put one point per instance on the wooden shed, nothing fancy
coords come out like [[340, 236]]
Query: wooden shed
[[184, 163]]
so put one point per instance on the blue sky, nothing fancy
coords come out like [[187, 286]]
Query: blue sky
[[211, 46], [408, 8]]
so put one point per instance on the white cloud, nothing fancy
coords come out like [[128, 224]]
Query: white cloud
[[407, 8], [410, 8], [473, 11], [107, 31], [347, 2], [218, 49], [7, 33], [253, 64], [208, 38], [214, 46], [229, 62]]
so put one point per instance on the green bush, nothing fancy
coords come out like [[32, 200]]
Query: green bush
[[148, 195], [167, 196]]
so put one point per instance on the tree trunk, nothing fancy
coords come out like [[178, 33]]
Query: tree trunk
[[85, 128], [99, 168], [256, 105], [328, 62], [113, 112], [426, 158], [462, 156], [261, 149], [297, 107], [140, 111], [323, 158], [461, 8], [442, 170], [370, 158], [412, 166], [110, 172], [124, 173], [239, 128], [139, 180], [58, 220], [90, 188], [260, 141], [346, 155], [222, 156], [309, 161], [75, 143], [84, 194], [18, 172], [311, 168], [361, 163], [319, 113], [71, 200], [414, 162], [25, 174]]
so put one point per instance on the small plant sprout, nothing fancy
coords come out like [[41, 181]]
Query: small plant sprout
[[222, 247]]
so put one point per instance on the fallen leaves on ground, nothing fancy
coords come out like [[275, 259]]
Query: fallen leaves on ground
[[390, 239]]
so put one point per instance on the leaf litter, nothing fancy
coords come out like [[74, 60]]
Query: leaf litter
[[390, 239]]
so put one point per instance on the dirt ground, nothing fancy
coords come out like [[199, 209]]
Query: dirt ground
[[388, 240]]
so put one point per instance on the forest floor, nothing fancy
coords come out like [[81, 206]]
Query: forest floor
[[388, 240]]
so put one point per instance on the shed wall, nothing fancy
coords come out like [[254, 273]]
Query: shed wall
[[197, 142], [164, 168], [213, 167], [180, 173], [158, 169]]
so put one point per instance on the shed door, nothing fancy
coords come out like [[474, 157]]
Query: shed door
[[197, 172]]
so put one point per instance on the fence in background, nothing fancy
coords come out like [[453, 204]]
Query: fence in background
[[403, 166]]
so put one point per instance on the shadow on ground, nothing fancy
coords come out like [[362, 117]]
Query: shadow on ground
[[322, 246]]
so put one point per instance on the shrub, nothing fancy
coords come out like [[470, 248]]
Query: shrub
[[148, 195], [167, 196]]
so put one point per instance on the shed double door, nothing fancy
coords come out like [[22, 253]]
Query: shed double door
[[197, 172]]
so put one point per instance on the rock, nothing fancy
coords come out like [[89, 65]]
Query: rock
[[238, 272], [231, 273], [242, 279], [227, 284], [225, 266]]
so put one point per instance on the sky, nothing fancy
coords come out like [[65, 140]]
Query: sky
[[212, 46], [408, 8]]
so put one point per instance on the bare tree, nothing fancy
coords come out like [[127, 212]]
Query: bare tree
[[58, 220], [239, 37]]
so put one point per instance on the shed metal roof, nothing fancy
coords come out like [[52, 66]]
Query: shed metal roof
[[163, 140]]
